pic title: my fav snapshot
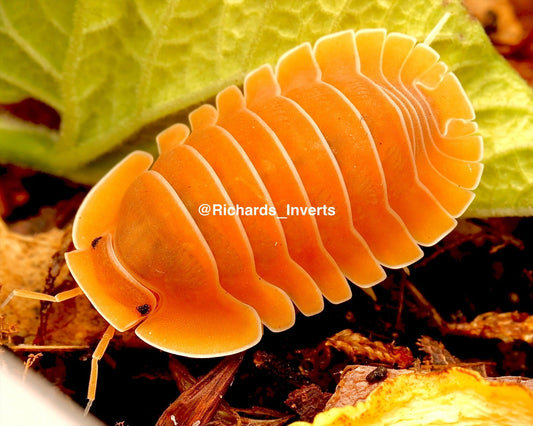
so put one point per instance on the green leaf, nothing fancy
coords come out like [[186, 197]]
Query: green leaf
[[119, 71]]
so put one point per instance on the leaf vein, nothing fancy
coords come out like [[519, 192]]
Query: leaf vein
[[27, 47]]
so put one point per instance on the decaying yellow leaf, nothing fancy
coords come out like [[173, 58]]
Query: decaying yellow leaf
[[452, 397], [26, 262]]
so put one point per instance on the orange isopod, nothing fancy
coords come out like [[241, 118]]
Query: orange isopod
[[344, 159]]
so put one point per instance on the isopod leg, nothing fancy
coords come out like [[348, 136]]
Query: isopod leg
[[26, 294], [100, 349], [97, 356]]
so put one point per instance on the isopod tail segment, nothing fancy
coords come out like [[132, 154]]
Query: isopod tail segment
[[355, 152]]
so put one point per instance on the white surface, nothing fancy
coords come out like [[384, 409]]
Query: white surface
[[34, 401]]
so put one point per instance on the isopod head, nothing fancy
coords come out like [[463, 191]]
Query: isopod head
[[131, 273]]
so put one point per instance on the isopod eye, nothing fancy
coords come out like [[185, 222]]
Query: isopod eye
[[95, 242], [117, 295], [144, 309]]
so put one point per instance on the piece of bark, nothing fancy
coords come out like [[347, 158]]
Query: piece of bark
[[225, 415], [354, 386]]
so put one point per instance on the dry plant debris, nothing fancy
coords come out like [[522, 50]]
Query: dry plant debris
[[439, 358], [437, 353], [499, 19], [507, 327], [358, 347], [68, 322], [451, 397], [201, 401], [509, 24], [308, 401]]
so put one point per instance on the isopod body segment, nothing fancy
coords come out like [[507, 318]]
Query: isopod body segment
[[369, 124]]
